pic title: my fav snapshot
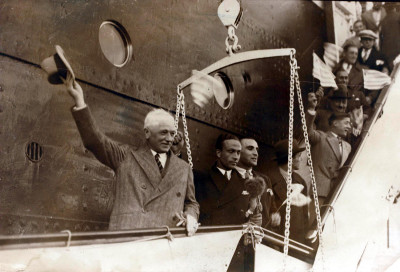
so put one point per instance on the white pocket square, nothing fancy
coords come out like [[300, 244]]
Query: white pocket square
[[245, 192], [380, 62]]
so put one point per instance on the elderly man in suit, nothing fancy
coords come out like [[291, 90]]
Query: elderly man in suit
[[329, 150], [153, 184], [220, 191], [248, 160]]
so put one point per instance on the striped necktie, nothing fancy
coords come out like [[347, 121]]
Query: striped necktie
[[157, 158]]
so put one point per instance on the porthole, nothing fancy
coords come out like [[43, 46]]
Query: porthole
[[224, 96], [115, 43], [34, 151]]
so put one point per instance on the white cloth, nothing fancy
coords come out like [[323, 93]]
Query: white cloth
[[347, 67], [163, 157], [228, 173]]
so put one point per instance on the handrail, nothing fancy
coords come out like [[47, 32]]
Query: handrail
[[365, 133], [238, 58], [106, 237]]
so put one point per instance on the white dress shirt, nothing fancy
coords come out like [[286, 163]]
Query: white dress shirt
[[228, 173], [243, 172], [163, 157]]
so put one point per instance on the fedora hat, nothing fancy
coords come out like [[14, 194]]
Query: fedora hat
[[340, 93], [57, 67], [281, 149]]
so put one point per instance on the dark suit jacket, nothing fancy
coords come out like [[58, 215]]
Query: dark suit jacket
[[222, 202], [375, 61], [390, 37], [298, 215], [369, 21], [326, 157], [144, 197]]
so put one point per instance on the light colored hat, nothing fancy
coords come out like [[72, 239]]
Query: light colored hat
[[57, 67], [368, 34]]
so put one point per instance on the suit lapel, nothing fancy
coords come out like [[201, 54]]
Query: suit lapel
[[334, 144], [233, 189], [171, 174], [218, 179], [346, 152], [145, 159]]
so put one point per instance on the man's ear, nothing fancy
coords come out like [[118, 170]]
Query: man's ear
[[147, 133], [218, 152]]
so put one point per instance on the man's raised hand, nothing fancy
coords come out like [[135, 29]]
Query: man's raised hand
[[75, 91]]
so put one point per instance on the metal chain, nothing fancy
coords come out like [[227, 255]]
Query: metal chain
[[180, 108], [309, 160], [290, 159], [232, 48]]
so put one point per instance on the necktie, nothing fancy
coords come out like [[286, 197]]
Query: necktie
[[226, 175], [340, 145], [157, 158], [248, 174], [365, 57]]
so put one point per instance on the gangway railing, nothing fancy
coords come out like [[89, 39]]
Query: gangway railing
[[368, 125]]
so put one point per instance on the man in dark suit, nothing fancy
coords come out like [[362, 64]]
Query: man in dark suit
[[220, 191], [390, 33], [368, 56], [329, 150], [278, 174], [152, 184], [248, 160]]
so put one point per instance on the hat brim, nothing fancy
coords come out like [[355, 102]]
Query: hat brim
[[295, 151], [60, 53]]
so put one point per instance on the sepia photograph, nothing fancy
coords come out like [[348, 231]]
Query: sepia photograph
[[199, 135]]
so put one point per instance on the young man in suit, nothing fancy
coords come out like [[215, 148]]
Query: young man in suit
[[329, 150], [248, 160], [152, 184], [368, 56], [220, 191]]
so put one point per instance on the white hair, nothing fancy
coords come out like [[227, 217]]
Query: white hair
[[154, 117]]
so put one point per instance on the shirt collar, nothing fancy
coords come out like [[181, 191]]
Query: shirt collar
[[243, 171], [228, 172], [163, 156]]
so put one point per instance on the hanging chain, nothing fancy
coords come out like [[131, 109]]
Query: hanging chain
[[180, 108], [290, 159], [234, 47], [309, 161]]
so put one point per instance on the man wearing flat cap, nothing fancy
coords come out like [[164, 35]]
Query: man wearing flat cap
[[368, 56], [278, 173]]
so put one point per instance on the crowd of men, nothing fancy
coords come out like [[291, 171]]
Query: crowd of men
[[156, 188]]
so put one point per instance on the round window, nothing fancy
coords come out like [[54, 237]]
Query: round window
[[224, 96], [115, 43]]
